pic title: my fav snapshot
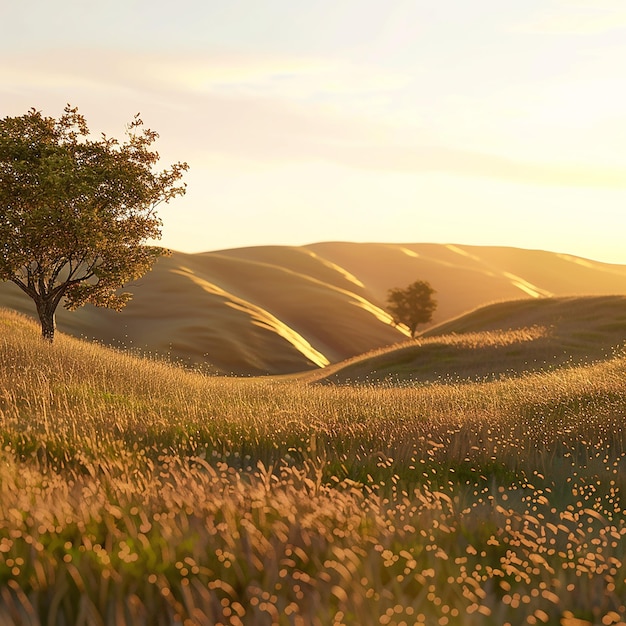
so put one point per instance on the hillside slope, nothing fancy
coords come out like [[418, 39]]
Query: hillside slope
[[281, 309], [503, 339]]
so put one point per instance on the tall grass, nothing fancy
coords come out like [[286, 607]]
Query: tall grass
[[135, 492]]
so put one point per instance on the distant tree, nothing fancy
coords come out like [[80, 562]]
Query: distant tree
[[412, 305], [76, 212]]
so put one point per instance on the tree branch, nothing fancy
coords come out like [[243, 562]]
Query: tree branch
[[29, 292]]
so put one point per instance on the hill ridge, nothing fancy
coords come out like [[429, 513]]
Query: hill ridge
[[300, 307], [505, 339]]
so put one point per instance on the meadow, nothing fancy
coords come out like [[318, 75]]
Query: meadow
[[133, 491]]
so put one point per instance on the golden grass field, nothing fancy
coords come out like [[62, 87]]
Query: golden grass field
[[134, 491], [281, 309]]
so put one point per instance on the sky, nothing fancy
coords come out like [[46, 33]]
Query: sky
[[490, 122]]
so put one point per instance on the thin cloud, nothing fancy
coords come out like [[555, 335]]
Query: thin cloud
[[237, 108], [578, 18], [297, 78], [469, 163]]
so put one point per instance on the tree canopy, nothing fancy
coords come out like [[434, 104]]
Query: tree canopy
[[412, 305], [77, 213]]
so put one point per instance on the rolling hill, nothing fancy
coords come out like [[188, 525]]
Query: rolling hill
[[281, 309], [505, 339]]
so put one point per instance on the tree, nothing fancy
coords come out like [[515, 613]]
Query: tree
[[76, 213], [412, 305]]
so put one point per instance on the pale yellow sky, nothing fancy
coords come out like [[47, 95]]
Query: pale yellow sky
[[483, 122]]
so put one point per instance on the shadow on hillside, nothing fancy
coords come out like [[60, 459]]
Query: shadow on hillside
[[448, 364]]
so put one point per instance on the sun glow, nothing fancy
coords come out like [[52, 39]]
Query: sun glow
[[517, 118]]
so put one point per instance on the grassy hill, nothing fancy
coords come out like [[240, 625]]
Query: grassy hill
[[137, 492], [280, 309], [503, 339]]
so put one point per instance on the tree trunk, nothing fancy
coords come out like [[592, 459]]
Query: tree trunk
[[46, 310]]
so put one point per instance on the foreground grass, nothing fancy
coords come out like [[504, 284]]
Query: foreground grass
[[133, 492]]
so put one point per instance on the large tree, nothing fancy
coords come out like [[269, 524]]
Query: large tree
[[412, 305], [77, 212]]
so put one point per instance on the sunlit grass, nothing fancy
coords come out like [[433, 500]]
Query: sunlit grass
[[501, 340], [134, 492]]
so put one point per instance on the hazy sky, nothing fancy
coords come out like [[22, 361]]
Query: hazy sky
[[496, 122]]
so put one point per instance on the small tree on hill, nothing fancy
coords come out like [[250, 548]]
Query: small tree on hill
[[76, 212], [412, 305]]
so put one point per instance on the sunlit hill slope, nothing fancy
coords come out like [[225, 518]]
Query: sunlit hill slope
[[279, 309], [506, 339]]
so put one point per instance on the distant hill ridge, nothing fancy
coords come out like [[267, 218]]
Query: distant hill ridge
[[285, 309]]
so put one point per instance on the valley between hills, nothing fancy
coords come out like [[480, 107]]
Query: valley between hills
[[282, 310]]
